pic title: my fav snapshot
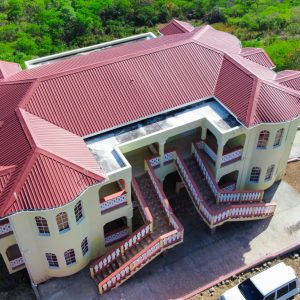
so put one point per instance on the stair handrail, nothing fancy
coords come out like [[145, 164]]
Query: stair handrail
[[141, 258], [218, 192], [232, 211], [131, 240], [162, 197]]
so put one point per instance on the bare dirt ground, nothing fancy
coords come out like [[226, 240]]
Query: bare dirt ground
[[292, 260], [292, 175]]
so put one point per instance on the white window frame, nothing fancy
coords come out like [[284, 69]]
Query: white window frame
[[270, 172], [62, 221], [278, 137], [42, 225], [78, 211], [84, 246], [52, 260], [70, 257], [263, 139], [255, 174]]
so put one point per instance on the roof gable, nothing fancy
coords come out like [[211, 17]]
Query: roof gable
[[70, 148], [175, 27]]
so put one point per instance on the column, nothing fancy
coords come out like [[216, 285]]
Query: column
[[129, 224], [203, 136], [219, 155], [161, 150], [203, 133]]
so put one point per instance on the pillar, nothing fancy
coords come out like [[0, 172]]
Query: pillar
[[219, 155], [161, 150], [203, 133], [129, 224]]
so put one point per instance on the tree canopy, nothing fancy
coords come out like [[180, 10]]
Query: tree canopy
[[30, 29]]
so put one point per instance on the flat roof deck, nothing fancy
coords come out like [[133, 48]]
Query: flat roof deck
[[102, 146]]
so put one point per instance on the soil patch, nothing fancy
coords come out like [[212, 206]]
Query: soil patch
[[292, 175]]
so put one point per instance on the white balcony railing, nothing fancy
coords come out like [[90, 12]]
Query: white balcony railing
[[113, 201]]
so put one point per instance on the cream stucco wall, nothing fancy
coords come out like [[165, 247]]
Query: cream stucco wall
[[33, 246]]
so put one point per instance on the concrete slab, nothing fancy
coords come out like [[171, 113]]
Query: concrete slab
[[201, 258], [296, 146]]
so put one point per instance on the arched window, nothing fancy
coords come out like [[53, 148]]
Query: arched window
[[269, 173], [78, 211], [263, 139], [84, 246], [255, 174], [62, 221], [42, 225], [52, 260], [70, 257], [278, 137]]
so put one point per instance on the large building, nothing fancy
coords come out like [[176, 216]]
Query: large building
[[88, 138]]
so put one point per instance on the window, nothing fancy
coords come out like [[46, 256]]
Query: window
[[270, 297], [62, 221], [282, 291], [263, 139], [84, 246], [52, 260], [255, 174], [292, 286], [269, 173], [42, 225], [70, 257], [78, 211], [278, 137]]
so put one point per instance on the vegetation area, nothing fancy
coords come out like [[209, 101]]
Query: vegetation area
[[35, 28]]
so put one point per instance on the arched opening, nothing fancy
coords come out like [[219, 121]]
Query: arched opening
[[112, 196], [115, 231], [228, 182], [233, 149], [183, 141], [14, 256]]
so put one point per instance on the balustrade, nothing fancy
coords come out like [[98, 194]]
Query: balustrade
[[5, 228], [113, 201], [16, 262]]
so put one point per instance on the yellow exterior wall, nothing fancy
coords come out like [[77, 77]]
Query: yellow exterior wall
[[33, 246]]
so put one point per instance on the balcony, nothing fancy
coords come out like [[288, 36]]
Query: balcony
[[229, 156], [15, 257], [113, 201], [5, 228], [116, 235]]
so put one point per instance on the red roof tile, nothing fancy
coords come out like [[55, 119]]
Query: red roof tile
[[8, 69], [62, 102], [258, 56], [175, 27], [289, 79], [150, 83]]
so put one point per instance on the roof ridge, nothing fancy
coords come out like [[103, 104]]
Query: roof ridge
[[253, 100], [25, 99], [288, 76], [283, 88], [115, 60], [10, 198], [36, 146]]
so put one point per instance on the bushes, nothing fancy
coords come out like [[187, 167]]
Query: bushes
[[40, 27]]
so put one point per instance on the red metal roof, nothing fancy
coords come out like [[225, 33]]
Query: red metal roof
[[46, 111], [259, 56], [8, 69], [150, 83], [175, 27], [289, 79]]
